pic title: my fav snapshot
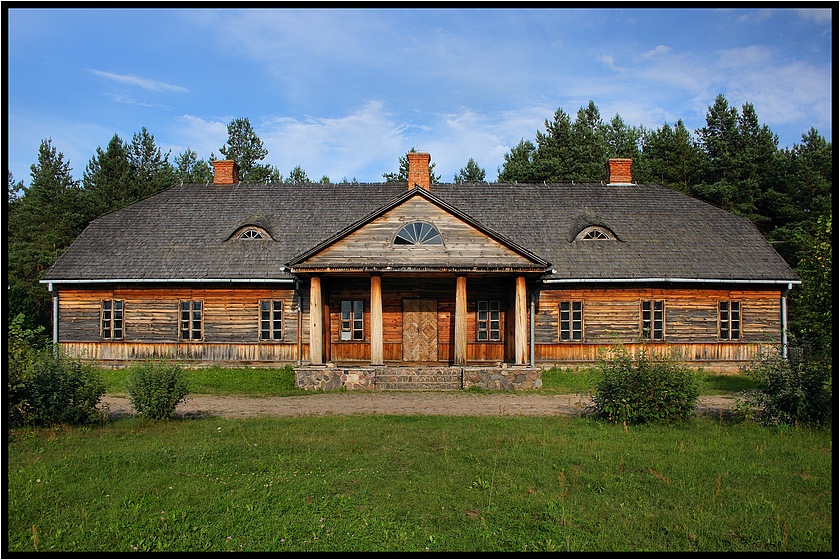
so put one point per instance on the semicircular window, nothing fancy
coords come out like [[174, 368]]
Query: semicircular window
[[418, 233], [250, 232], [595, 233]]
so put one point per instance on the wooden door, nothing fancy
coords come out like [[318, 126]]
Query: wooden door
[[420, 340]]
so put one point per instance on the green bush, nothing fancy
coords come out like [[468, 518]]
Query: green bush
[[643, 389], [43, 387], [789, 390], [156, 388]]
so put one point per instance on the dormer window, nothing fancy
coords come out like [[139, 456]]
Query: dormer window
[[595, 233], [251, 232], [418, 233]]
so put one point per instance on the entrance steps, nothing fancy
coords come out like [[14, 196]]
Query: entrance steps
[[419, 379]]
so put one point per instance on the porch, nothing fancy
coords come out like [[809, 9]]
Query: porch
[[417, 377]]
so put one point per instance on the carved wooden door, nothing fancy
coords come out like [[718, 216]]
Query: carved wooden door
[[420, 341]]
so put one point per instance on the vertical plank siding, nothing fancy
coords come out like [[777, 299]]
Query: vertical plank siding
[[231, 321]]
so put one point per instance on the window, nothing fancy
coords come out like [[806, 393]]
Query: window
[[729, 319], [250, 231], [352, 323], [191, 320], [488, 320], [595, 233], [653, 320], [250, 234], [112, 319], [271, 320], [571, 321], [418, 233]]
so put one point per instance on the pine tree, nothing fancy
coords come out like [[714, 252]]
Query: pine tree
[[190, 169], [471, 173], [107, 180], [150, 169], [519, 164], [41, 224], [246, 149]]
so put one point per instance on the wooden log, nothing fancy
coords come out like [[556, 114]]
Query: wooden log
[[316, 317], [520, 336], [376, 348], [460, 357]]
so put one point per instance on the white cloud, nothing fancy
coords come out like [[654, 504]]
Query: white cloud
[[608, 60], [349, 145], [657, 51], [137, 81]]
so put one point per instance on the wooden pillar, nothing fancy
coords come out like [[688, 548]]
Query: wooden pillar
[[460, 357], [520, 335], [376, 358], [316, 323]]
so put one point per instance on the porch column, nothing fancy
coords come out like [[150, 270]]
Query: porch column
[[316, 325], [520, 333], [460, 357], [376, 356]]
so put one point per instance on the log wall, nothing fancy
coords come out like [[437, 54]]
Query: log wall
[[231, 321], [691, 322]]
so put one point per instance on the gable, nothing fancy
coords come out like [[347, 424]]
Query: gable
[[463, 245]]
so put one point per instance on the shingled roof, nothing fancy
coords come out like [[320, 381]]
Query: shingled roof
[[184, 233]]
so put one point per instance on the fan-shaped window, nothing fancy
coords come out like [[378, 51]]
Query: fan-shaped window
[[418, 233], [250, 234], [595, 233]]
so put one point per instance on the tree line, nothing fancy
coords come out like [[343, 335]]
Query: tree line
[[733, 162]]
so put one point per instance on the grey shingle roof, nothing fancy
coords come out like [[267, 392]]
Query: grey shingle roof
[[183, 233]]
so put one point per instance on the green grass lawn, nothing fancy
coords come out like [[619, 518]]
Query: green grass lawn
[[280, 382], [393, 483], [582, 380], [256, 382]]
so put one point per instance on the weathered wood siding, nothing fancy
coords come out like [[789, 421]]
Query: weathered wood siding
[[231, 324], [691, 322], [372, 244], [231, 321]]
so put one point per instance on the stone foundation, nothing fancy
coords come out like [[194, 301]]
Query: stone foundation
[[329, 378]]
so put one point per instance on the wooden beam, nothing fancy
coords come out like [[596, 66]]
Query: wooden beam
[[316, 322], [376, 355], [520, 336], [460, 357]]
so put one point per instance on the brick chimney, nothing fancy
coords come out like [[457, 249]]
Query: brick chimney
[[225, 172], [618, 171], [418, 169]]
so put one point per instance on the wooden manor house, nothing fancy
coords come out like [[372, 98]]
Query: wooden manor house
[[418, 285]]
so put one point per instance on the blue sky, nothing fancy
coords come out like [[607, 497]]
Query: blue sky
[[345, 93]]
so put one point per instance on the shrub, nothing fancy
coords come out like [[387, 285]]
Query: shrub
[[643, 389], [44, 387], [156, 388], [789, 390]]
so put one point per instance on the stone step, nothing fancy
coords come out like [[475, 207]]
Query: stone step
[[417, 386], [419, 380]]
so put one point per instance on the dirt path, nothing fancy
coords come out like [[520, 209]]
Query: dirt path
[[391, 402]]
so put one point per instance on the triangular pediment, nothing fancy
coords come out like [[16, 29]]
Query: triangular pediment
[[463, 244]]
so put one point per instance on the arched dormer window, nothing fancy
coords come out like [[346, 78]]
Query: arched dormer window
[[418, 233], [595, 233], [251, 232]]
